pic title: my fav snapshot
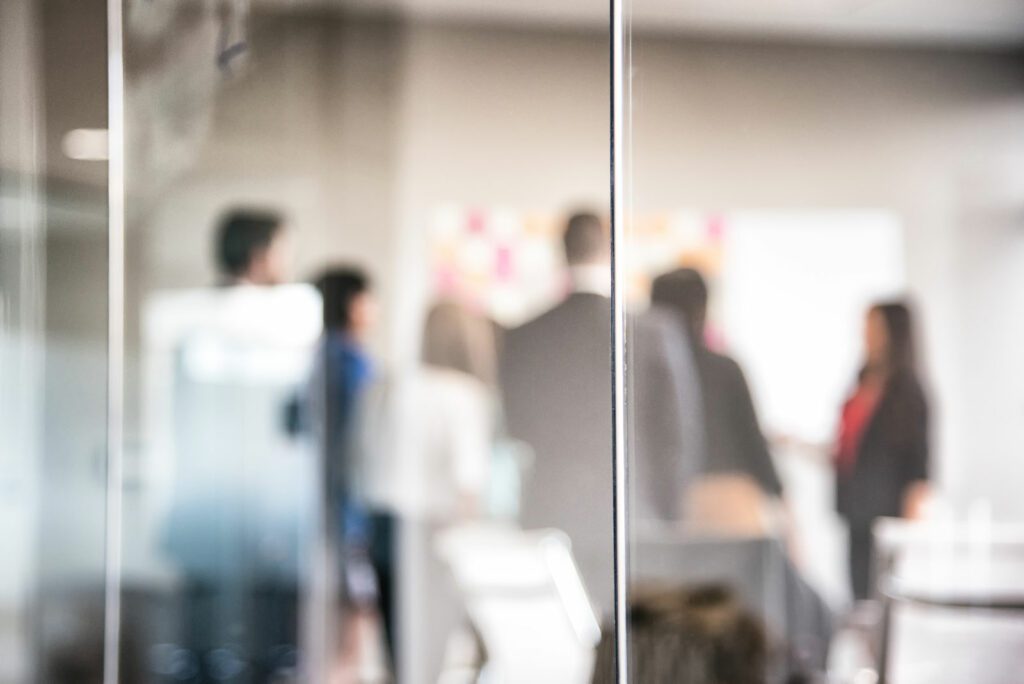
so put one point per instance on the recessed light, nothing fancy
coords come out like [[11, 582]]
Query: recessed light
[[86, 144]]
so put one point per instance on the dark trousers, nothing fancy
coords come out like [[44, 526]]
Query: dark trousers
[[861, 559], [383, 538], [367, 539]]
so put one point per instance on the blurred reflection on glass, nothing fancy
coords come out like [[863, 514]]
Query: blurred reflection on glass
[[230, 505]]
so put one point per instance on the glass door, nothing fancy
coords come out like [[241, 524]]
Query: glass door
[[367, 343], [817, 211]]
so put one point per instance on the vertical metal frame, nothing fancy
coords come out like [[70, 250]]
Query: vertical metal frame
[[620, 481], [115, 338]]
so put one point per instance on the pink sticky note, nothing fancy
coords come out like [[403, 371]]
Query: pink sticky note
[[476, 221], [446, 280], [716, 227], [503, 263]]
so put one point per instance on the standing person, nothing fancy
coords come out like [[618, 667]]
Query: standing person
[[449, 421], [556, 380], [348, 316], [251, 248], [364, 535], [231, 529], [882, 456], [431, 450], [735, 443]]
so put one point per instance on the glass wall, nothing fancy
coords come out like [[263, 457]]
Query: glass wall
[[53, 274], [395, 393], [355, 449], [822, 214]]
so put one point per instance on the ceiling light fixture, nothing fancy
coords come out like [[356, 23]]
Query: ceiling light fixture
[[86, 144]]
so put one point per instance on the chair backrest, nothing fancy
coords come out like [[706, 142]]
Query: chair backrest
[[525, 597]]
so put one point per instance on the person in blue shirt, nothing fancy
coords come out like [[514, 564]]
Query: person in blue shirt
[[364, 534], [348, 316]]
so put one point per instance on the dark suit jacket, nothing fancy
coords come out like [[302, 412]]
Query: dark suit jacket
[[893, 454], [557, 386]]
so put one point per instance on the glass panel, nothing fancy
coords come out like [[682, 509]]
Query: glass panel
[[53, 264], [353, 450], [824, 216]]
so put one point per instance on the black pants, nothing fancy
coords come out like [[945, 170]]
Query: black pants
[[383, 537], [369, 535], [861, 559]]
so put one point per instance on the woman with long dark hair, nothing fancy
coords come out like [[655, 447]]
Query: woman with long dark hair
[[882, 455]]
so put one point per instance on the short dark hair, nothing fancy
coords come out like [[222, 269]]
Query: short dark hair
[[241, 234], [585, 239], [685, 292], [339, 286], [695, 634]]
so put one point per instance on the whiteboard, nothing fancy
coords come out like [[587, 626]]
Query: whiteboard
[[793, 290]]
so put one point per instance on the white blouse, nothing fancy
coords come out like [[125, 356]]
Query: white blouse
[[429, 442]]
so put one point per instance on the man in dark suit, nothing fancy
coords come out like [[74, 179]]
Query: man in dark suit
[[556, 375]]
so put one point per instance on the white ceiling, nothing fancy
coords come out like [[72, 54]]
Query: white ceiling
[[979, 22]]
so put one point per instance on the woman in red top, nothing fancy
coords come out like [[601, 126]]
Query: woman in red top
[[882, 456]]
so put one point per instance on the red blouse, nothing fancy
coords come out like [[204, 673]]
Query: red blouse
[[857, 414]]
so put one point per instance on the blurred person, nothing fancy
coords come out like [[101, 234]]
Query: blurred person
[[250, 247], [449, 418], [734, 442], [433, 439], [693, 635], [349, 314], [739, 476], [238, 497], [555, 374], [883, 450], [363, 533]]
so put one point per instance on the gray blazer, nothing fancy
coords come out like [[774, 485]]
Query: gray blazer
[[557, 389]]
